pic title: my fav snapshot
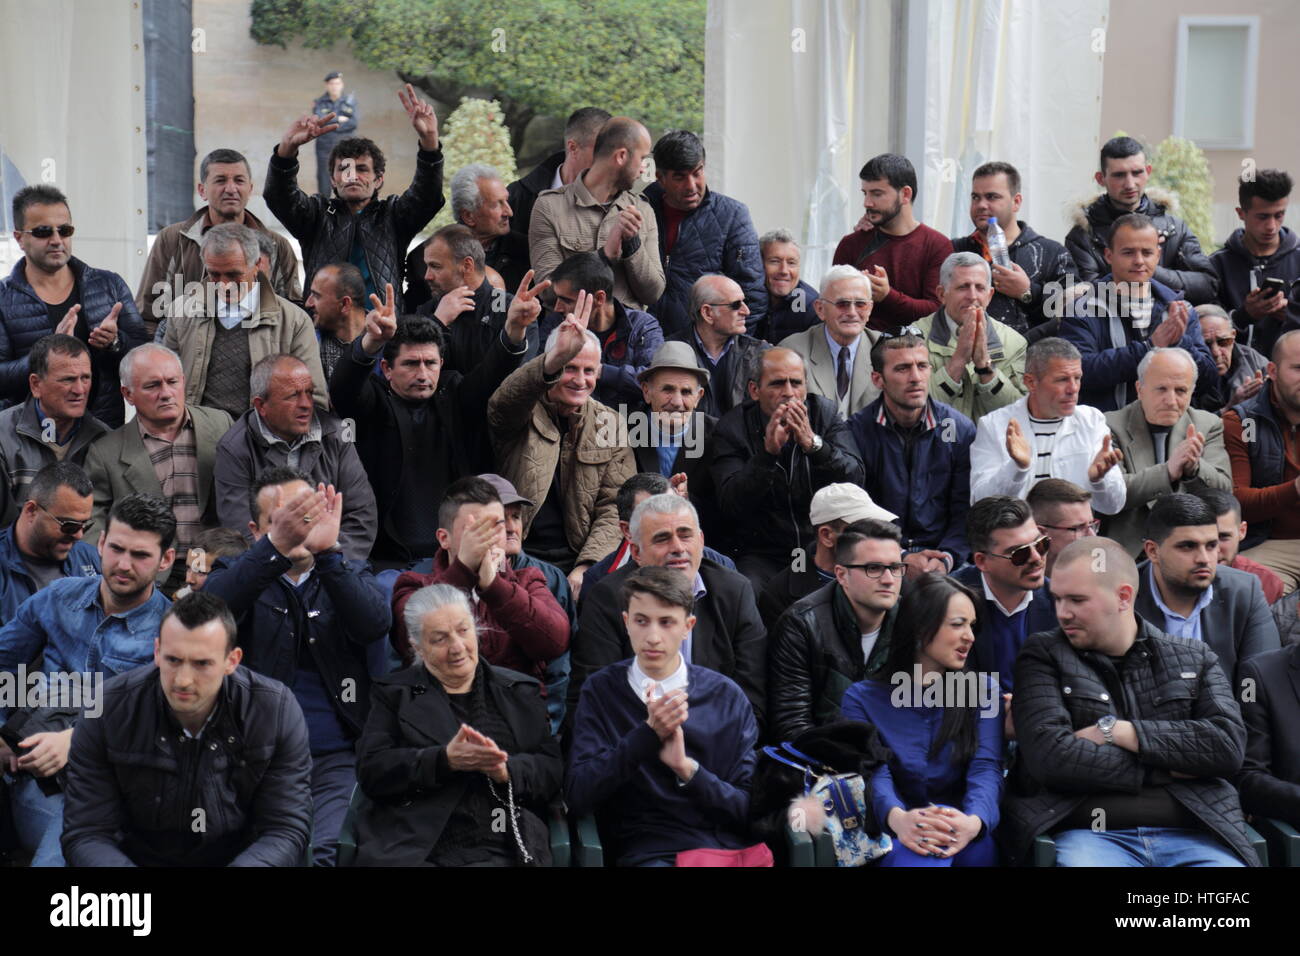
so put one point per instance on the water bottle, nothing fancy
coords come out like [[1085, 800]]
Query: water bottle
[[997, 240]]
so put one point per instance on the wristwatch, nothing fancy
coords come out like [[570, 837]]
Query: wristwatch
[[1028, 297], [816, 444], [1107, 727], [984, 371]]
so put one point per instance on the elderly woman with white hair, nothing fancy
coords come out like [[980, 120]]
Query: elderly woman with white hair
[[457, 756]]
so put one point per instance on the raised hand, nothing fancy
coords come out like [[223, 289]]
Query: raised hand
[[796, 420], [104, 335], [526, 308], [964, 351], [304, 129], [776, 434], [667, 713], [324, 533], [1170, 332], [570, 338], [1017, 444], [677, 485], [1107, 458], [879, 280], [477, 540], [1247, 389], [1185, 460], [381, 322], [628, 225], [291, 520], [423, 119], [68, 324], [980, 354]]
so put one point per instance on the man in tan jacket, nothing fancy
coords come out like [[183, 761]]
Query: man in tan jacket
[[598, 212], [235, 323], [563, 449], [226, 182]]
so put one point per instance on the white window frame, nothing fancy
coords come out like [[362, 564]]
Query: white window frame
[[1251, 23]]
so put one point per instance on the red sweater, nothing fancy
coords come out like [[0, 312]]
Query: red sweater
[[520, 624], [912, 264]]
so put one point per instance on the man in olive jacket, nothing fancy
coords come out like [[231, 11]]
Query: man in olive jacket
[[1128, 738], [563, 449]]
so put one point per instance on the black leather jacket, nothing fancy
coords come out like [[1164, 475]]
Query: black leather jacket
[[326, 228], [136, 783], [1181, 704]]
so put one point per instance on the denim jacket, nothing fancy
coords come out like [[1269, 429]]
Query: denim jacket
[[16, 583]]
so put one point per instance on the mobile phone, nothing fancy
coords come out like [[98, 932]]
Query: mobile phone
[[1270, 284]]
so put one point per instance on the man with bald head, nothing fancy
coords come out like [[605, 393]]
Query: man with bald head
[[598, 212], [1128, 737], [770, 455], [1241, 368], [1168, 445], [285, 429], [1264, 448], [169, 450], [717, 334]]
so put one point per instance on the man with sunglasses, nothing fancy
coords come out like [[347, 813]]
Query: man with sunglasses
[[84, 630], [1010, 570], [46, 542], [836, 349], [1241, 368], [50, 290], [718, 337], [838, 635]]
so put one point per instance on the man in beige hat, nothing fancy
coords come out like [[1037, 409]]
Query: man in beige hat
[[834, 507]]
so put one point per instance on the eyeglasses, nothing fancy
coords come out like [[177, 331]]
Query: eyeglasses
[[874, 570], [1020, 556], [68, 526], [856, 304], [1224, 341], [44, 232], [733, 306], [1079, 530]]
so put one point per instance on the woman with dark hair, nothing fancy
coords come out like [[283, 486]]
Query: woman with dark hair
[[939, 791]]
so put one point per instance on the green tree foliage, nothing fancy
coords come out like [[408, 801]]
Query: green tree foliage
[[536, 57], [475, 133]]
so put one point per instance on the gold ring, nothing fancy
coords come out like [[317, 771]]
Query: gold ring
[[306, 519]]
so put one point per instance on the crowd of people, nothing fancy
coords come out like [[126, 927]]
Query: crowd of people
[[574, 505]]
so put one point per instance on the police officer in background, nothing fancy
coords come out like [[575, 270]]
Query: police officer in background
[[344, 107]]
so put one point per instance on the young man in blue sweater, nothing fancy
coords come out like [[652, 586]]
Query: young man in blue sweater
[[660, 783]]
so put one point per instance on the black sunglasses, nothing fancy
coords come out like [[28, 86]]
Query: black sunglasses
[[1020, 556], [44, 232], [733, 306], [68, 526]]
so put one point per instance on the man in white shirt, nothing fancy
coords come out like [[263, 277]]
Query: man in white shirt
[[1047, 434]]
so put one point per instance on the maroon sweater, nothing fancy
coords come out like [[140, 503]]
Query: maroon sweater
[[520, 624], [912, 264]]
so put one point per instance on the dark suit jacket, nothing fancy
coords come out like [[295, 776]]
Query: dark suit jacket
[[119, 465], [699, 482], [401, 768], [1237, 624], [728, 638], [1270, 777]]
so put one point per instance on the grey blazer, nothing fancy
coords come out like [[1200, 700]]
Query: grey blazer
[[1145, 481], [1236, 624], [820, 366], [119, 465]]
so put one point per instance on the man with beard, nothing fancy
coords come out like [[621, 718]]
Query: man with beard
[[899, 256], [337, 303], [598, 212], [1184, 591], [94, 628]]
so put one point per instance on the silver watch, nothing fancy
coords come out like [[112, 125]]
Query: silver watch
[[1107, 727], [816, 444]]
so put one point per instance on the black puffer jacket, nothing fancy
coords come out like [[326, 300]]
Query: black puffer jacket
[[768, 496], [326, 228], [717, 237], [1181, 704], [1183, 266], [814, 654], [135, 781]]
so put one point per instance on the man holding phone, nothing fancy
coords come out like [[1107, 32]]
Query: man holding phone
[[1259, 265]]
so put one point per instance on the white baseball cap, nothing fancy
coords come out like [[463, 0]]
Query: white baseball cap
[[845, 502]]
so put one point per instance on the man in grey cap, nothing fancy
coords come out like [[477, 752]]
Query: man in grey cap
[[670, 436], [834, 507], [344, 107]]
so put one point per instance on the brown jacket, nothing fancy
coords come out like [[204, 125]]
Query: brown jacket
[[176, 253], [567, 221], [279, 327], [594, 460]]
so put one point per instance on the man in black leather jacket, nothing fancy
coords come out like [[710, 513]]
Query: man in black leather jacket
[[1128, 738], [195, 761], [356, 225]]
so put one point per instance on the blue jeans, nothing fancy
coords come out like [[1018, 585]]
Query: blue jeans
[[1144, 846], [332, 778], [979, 852], [38, 820]]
